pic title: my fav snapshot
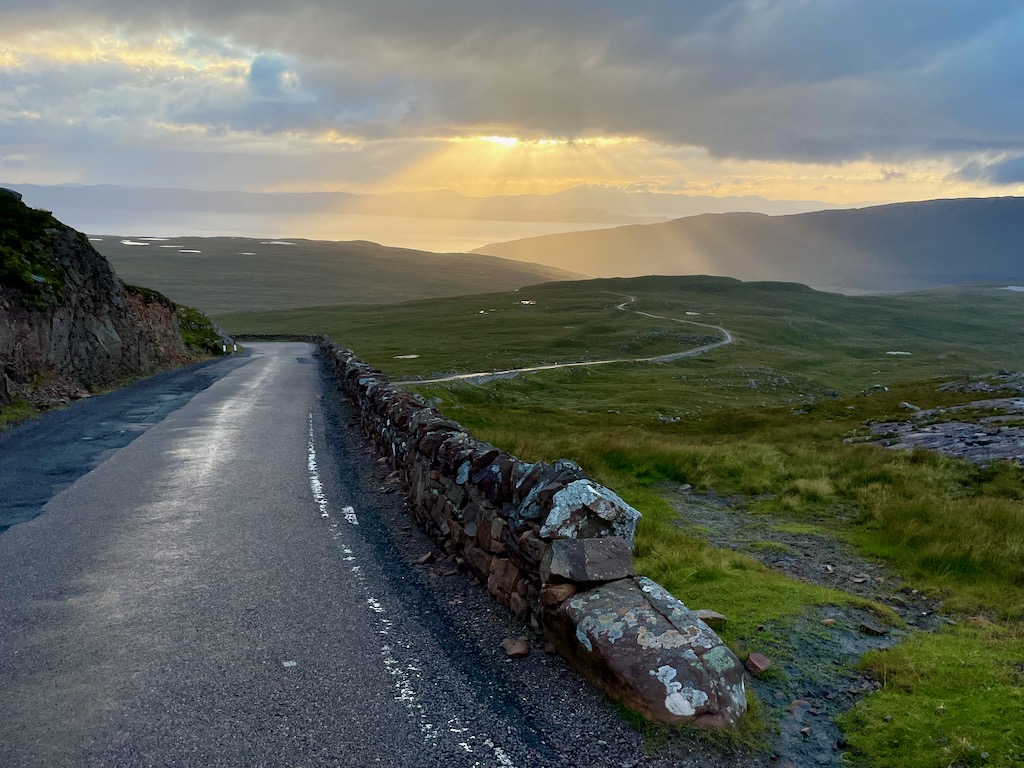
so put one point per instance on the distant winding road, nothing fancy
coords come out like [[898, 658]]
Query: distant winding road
[[485, 376]]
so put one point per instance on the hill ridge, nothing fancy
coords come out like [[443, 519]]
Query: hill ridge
[[879, 248], [231, 274]]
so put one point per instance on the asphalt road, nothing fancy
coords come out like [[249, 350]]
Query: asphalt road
[[42, 457], [232, 588]]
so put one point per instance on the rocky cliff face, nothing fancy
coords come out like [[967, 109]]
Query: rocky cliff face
[[68, 325]]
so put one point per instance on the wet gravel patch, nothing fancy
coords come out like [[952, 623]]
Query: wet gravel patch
[[815, 657], [41, 457]]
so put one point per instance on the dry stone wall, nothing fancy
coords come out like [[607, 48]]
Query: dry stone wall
[[555, 547]]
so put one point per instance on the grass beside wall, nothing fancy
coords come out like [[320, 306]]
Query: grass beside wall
[[763, 421], [953, 528]]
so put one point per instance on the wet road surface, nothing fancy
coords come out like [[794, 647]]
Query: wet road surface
[[230, 588]]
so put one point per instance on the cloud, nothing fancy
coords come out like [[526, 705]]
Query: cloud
[[273, 79], [1008, 171], [773, 80]]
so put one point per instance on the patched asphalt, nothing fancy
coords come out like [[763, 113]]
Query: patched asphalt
[[40, 458]]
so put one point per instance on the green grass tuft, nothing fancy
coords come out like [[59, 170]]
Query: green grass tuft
[[26, 264], [952, 698], [15, 413], [198, 332]]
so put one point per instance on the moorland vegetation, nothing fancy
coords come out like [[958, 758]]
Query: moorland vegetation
[[764, 423]]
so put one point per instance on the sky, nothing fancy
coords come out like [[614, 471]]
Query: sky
[[832, 100]]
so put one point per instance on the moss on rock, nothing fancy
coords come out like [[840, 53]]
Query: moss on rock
[[27, 261]]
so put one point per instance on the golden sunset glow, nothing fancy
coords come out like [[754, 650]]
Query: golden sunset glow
[[261, 105], [96, 47], [501, 141], [490, 165]]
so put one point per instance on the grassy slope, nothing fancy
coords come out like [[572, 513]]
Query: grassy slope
[[223, 279], [763, 418], [27, 266], [901, 246], [792, 338]]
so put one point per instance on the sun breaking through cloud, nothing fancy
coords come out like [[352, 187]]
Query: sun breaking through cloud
[[841, 101]]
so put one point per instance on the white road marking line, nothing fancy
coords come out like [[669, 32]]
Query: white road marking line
[[317, 487], [500, 754], [405, 678]]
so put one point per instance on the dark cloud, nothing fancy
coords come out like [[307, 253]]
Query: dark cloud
[[1008, 171], [762, 79]]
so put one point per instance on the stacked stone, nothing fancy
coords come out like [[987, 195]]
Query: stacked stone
[[518, 526], [554, 547]]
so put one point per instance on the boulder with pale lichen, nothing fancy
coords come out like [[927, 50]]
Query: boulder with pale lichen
[[648, 651]]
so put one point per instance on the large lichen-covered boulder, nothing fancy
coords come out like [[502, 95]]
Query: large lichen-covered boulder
[[648, 651], [584, 509]]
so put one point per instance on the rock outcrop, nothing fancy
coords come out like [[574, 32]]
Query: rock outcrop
[[981, 439], [68, 325], [982, 431], [647, 650]]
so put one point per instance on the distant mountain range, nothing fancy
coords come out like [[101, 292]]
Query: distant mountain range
[[897, 247], [236, 274], [585, 204]]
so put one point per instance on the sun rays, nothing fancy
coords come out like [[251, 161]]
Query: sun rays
[[177, 95], [497, 164]]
